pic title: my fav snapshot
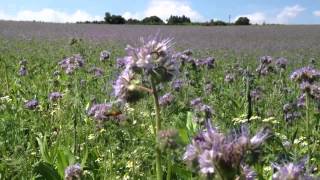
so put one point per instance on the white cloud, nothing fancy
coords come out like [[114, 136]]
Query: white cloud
[[288, 13], [316, 13], [255, 18], [49, 15], [284, 16], [165, 8]]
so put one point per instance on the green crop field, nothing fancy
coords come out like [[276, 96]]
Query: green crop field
[[185, 103]]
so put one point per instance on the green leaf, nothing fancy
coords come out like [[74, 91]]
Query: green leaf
[[46, 171]]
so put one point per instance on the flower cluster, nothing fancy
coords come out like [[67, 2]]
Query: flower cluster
[[55, 96], [307, 77], [73, 172], [97, 72], [154, 58], [166, 99], [23, 71], [291, 171], [214, 152], [291, 112], [31, 104], [177, 84], [265, 66], [70, 64], [281, 63], [104, 55], [200, 107]]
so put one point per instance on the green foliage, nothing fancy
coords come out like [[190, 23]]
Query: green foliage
[[242, 21], [152, 20], [114, 19], [178, 20]]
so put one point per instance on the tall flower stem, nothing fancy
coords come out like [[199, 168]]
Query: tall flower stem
[[158, 128], [308, 124]]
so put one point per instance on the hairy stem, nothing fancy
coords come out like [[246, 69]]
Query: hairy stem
[[158, 128]]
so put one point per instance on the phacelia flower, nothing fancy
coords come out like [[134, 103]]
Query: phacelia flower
[[54, 96], [290, 171], [73, 172], [104, 55], [23, 71], [124, 87], [211, 149], [256, 94], [177, 84], [308, 74], [97, 72], [166, 99], [265, 60], [31, 104], [248, 173], [70, 64], [281, 63], [229, 78]]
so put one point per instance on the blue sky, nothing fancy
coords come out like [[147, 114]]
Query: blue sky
[[258, 11]]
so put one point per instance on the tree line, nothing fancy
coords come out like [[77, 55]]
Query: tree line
[[172, 20]]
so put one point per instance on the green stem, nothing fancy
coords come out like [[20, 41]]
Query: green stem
[[308, 124], [158, 127], [169, 167]]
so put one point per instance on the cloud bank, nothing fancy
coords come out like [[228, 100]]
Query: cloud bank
[[164, 9], [283, 17], [49, 15]]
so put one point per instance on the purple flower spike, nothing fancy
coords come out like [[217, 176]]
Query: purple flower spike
[[23, 71], [55, 96], [291, 171], [166, 99], [31, 104], [305, 74], [73, 172], [104, 55]]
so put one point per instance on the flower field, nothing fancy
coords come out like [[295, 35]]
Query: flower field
[[125, 102]]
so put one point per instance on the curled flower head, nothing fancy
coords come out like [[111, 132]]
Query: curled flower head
[[70, 64], [265, 60], [97, 72], [256, 94], [260, 137], [54, 96], [73, 172], [104, 55], [229, 78], [281, 63], [166, 99], [154, 57], [308, 74], [177, 84], [125, 88], [23, 71], [211, 149], [31, 104], [290, 171], [248, 173]]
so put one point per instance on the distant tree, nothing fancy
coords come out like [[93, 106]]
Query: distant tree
[[114, 19], [107, 17], [152, 20], [218, 23], [133, 21], [242, 21], [178, 20]]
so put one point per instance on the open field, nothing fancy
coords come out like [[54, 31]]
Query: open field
[[105, 113]]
